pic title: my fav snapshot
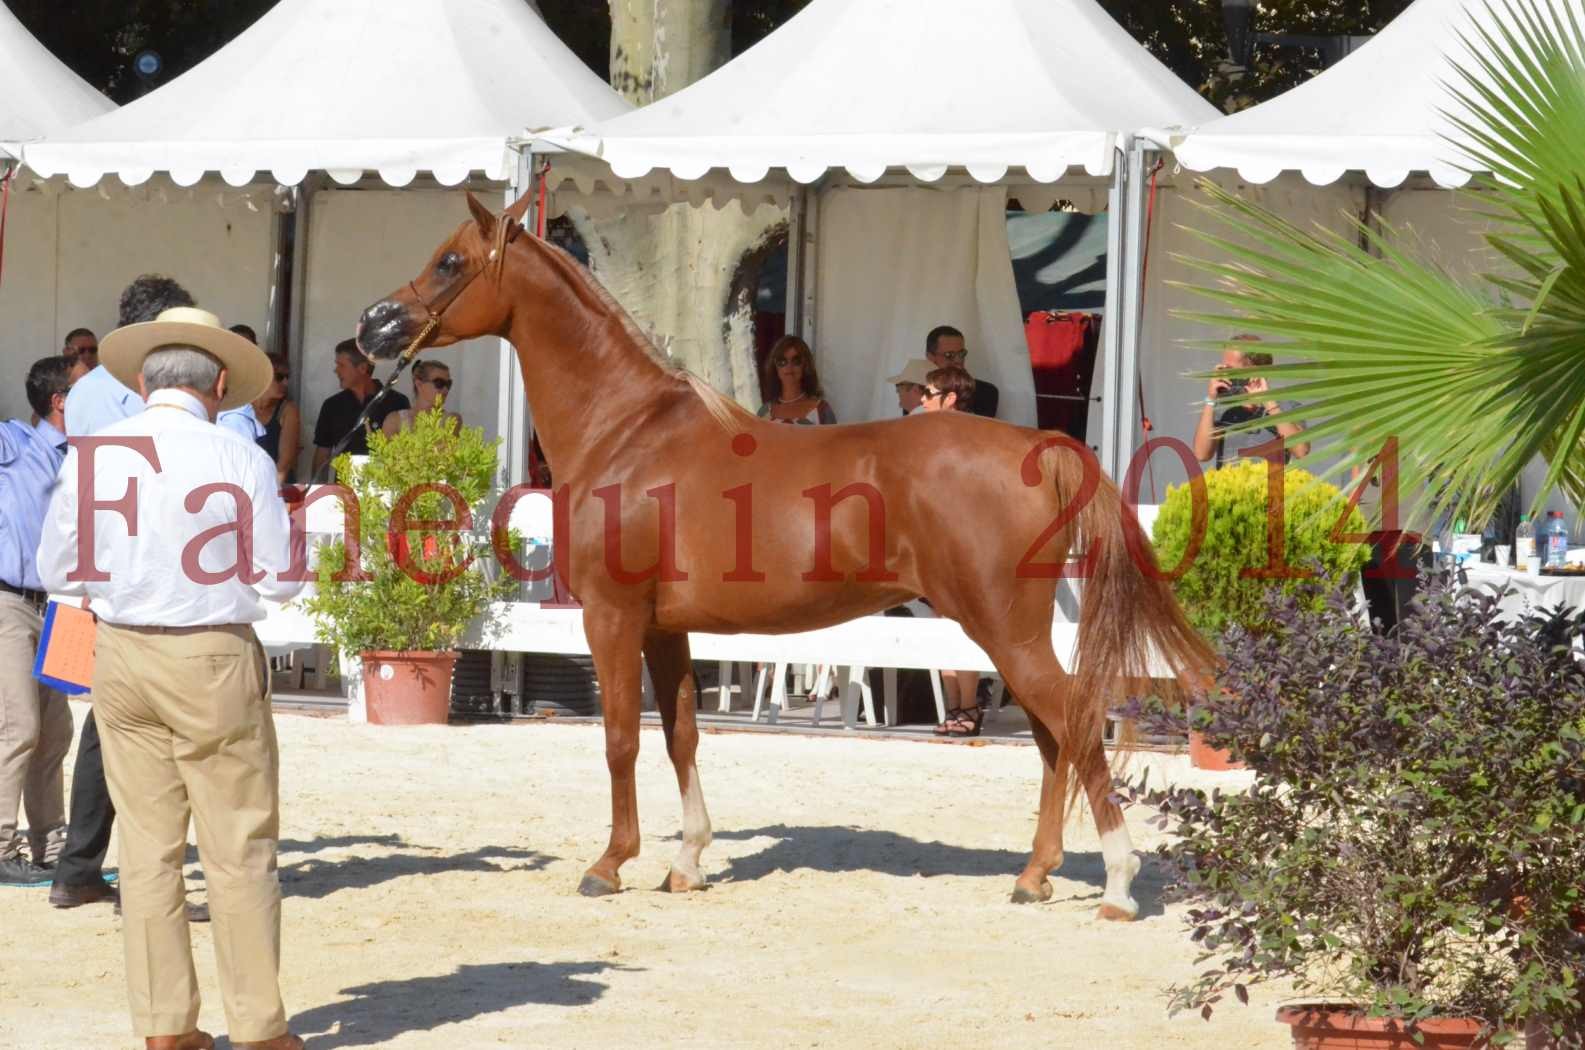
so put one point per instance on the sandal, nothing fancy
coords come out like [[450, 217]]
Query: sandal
[[962, 722]]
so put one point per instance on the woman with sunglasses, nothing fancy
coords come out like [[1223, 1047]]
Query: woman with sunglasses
[[951, 389], [431, 386], [278, 415], [793, 385]]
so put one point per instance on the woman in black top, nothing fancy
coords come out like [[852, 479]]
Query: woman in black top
[[279, 417]]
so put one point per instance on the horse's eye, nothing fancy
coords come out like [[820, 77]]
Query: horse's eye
[[449, 264]]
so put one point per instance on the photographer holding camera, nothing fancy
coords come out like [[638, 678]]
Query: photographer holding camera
[[1211, 442]]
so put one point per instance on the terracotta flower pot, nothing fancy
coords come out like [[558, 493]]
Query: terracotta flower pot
[[1321, 1027], [407, 689], [1203, 756]]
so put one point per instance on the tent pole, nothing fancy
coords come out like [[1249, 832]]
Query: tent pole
[[796, 208], [1111, 320], [513, 422], [1133, 276], [296, 324], [808, 262]]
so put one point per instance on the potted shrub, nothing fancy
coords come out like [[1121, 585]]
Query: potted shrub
[[1225, 579], [1409, 855], [421, 509]]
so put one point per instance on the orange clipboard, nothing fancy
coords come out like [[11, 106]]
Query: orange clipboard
[[66, 649]]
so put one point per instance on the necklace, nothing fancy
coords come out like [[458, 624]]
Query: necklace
[[789, 400]]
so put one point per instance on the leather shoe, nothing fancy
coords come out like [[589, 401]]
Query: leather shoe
[[280, 1042], [194, 1040], [64, 896]]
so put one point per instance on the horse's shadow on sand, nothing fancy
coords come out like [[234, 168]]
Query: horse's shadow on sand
[[315, 877], [845, 849], [384, 1010]]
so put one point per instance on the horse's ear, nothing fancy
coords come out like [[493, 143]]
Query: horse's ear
[[519, 208], [481, 215]]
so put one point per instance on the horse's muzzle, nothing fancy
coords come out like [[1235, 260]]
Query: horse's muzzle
[[384, 329]]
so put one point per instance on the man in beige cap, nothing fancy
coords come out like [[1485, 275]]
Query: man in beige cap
[[910, 383], [183, 534]]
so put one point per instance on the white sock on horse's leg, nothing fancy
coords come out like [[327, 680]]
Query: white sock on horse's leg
[[695, 831], [1121, 867]]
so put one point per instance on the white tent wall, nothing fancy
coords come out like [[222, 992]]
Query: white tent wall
[[895, 263], [69, 254], [363, 245], [1172, 399]]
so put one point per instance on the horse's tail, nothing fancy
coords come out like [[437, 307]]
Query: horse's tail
[[1131, 628]]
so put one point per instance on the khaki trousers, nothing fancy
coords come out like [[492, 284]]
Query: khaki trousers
[[35, 734], [184, 721]]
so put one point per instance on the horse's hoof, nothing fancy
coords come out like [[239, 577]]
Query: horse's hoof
[[1022, 895], [676, 882], [1117, 913], [594, 886]]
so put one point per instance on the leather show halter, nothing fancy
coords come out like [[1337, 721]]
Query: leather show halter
[[506, 231]]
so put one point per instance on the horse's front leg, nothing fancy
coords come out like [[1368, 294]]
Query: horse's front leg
[[616, 638]]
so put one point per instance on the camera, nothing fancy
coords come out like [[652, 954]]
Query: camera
[[1237, 386]]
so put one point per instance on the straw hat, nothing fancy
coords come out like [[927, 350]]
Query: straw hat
[[914, 371], [248, 370]]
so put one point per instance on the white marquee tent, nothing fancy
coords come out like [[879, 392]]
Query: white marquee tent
[[900, 128], [38, 94], [322, 93], [1366, 133]]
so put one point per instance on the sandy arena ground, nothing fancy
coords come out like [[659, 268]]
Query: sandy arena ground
[[859, 899]]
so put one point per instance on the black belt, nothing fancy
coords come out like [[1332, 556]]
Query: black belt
[[36, 597]]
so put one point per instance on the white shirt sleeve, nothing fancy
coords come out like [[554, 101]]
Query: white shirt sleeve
[[273, 549], [58, 554]]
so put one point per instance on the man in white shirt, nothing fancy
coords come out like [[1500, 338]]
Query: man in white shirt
[[180, 680]]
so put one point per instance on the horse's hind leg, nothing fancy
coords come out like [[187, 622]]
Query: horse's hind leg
[[1117, 849], [1033, 886], [671, 672], [1044, 689], [616, 638]]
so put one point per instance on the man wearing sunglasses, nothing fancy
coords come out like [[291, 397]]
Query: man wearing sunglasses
[[944, 348]]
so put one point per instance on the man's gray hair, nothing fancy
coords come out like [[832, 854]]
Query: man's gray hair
[[170, 367]]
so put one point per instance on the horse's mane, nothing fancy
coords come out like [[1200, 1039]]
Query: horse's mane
[[732, 416]]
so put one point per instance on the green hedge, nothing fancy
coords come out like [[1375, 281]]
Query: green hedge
[[1212, 589]]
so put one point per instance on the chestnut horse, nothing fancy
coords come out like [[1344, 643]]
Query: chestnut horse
[[686, 513]]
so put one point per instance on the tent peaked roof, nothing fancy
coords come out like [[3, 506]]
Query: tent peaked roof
[[923, 84], [346, 86], [1380, 111], [38, 94]]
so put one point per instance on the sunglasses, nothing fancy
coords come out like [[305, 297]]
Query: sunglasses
[[955, 356], [932, 392], [789, 362], [438, 384], [281, 377]]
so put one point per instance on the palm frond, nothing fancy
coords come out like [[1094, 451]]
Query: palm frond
[[1473, 381]]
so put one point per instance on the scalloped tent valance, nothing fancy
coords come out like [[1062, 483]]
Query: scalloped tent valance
[[1382, 111], [396, 87], [38, 94], [867, 86]]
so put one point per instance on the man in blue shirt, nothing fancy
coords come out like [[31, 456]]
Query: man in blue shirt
[[35, 723], [97, 400]]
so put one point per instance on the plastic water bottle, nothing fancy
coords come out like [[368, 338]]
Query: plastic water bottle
[[1523, 543], [1556, 540]]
